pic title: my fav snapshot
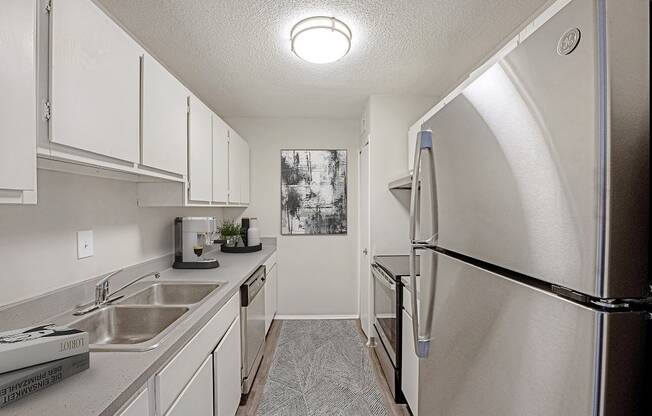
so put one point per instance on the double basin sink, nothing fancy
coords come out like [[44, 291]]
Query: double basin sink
[[140, 320]]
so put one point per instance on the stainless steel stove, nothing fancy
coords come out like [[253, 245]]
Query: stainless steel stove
[[388, 302]]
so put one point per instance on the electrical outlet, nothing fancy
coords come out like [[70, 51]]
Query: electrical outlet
[[84, 244]]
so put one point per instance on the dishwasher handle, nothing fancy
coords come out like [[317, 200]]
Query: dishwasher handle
[[252, 286]]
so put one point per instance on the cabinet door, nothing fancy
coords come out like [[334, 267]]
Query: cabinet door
[[95, 82], [197, 397], [164, 141], [271, 296], [235, 168], [410, 369], [245, 172], [138, 406], [200, 152], [275, 291], [18, 96], [268, 299], [227, 371], [220, 160]]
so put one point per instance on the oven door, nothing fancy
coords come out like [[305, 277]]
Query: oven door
[[385, 316]]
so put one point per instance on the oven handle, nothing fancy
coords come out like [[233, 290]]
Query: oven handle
[[382, 277]]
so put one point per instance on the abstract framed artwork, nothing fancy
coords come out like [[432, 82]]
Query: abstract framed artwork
[[313, 192]]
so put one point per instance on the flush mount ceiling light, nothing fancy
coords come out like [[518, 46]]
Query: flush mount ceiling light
[[320, 39]]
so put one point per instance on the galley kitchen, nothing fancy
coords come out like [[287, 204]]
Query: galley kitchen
[[321, 207]]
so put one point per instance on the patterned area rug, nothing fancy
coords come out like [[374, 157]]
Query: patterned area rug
[[321, 368]]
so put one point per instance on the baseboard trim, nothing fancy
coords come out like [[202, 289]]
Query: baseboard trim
[[313, 317]]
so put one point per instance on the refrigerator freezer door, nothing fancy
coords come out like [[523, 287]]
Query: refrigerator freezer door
[[502, 348], [523, 163]]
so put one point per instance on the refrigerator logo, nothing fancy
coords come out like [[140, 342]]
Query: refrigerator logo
[[568, 41]]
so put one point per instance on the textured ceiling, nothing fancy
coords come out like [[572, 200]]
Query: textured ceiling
[[235, 55]]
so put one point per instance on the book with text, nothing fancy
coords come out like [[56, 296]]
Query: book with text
[[25, 347], [19, 384]]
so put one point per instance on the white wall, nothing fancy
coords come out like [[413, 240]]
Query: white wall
[[317, 274], [38, 244], [388, 120]]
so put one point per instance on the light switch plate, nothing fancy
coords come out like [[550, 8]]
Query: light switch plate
[[84, 244]]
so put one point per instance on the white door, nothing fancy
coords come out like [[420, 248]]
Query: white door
[[220, 160], [364, 246], [18, 96], [200, 151], [95, 82], [235, 168], [197, 397], [164, 141], [228, 372]]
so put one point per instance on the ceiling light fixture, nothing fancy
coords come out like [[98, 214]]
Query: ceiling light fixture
[[320, 39]]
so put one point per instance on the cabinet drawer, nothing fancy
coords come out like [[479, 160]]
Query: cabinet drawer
[[196, 399], [178, 372]]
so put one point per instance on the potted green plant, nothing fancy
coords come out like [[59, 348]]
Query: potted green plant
[[230, 231]]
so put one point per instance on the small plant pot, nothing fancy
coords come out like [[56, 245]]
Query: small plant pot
[[233, 241]]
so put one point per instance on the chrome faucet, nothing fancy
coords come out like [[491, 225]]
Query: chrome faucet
[[102, 288], [102, 295], [155, 274]]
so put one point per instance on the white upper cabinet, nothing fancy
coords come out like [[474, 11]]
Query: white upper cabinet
[[164, 141], [245, 180], [234, 167], [18, 116], [200, 152], [220, 161], [95, 82], [238, 169]]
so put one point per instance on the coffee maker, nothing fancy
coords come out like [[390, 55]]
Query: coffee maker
[[193, 237]]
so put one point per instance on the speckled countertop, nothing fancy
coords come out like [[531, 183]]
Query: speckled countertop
[[114, 377]]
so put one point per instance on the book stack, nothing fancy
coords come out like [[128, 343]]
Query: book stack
[[35, 358]]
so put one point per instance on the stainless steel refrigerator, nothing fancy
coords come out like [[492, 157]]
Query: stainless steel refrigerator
[[530, 215]]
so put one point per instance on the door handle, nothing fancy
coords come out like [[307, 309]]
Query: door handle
[[421, 329], [365, 251]]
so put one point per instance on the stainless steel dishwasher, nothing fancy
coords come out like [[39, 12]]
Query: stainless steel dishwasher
[[252, 326]]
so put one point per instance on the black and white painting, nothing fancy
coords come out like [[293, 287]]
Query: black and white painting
[[313, 192]]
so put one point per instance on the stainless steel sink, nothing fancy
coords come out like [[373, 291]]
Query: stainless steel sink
[[171, 294], [114, 325], [143, 317]]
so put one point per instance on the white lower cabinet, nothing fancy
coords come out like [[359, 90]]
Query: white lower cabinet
[[197, 397], [182, 368], [227, 370], [271, 296], [410, 369], [138, 406]]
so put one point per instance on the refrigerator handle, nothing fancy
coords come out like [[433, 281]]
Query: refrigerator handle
[[422, 333]]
